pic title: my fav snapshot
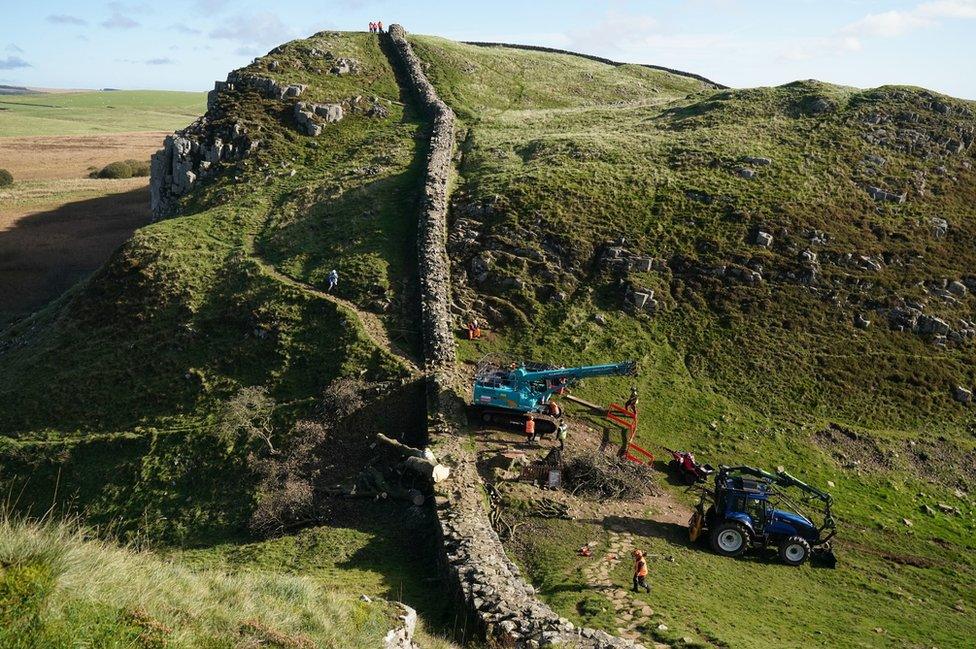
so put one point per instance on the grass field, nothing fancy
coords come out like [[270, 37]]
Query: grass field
[[82, 113]]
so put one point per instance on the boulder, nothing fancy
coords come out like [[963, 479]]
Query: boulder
[[962, 395], [879, 194], [763, 239], [745, 172], [753, 160], [939, 227], [329, 112], [931, 325], [861, 322], [957, 288]]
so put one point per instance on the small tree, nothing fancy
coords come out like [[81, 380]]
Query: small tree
[[247, 415]]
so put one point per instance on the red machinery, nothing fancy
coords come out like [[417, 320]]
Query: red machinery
[[686, 469]]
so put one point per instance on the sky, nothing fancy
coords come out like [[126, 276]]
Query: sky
[[187, 44]]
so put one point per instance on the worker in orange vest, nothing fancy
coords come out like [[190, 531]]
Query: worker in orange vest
[[640, 571], [530, 428]]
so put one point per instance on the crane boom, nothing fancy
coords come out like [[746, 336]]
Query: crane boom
[[521, 390]]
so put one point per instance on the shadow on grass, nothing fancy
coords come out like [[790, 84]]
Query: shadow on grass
[[44, 253]]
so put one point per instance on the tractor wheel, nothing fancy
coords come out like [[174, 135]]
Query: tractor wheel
[[794, 551], [674, 467], [730, 539]]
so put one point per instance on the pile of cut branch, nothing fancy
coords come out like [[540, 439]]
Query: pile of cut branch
[[604, 476]]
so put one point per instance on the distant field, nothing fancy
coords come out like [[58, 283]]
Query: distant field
[[82, 113]]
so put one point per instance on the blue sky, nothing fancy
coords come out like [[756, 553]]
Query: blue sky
[[187, 44]]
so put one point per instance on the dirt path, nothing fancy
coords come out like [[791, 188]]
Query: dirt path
[[371, 323]]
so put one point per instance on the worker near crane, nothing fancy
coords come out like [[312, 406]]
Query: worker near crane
[[561, 434], [554, 410], [530, 428], [631, 404], [640, 571]]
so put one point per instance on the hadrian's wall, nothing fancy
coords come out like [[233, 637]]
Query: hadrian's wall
[[490, 585]]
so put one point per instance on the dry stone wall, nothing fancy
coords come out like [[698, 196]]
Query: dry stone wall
[[499, 600]]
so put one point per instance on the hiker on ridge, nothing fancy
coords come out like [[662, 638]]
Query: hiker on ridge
[[333, 280]]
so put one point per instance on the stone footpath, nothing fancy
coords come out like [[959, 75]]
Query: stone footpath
[[630, 613]]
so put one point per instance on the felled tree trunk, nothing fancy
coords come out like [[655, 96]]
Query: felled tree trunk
[[420, 461]]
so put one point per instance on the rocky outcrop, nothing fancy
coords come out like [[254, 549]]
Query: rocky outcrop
[[194, 152], [401, 636], [191, 154], [491, 587]]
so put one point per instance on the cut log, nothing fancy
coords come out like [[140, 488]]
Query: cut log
[[420, 461], [436, 472]]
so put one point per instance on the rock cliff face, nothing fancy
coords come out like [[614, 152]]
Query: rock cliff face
[[192, 153]]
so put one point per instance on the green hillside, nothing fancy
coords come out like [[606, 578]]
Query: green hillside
[[83, 113], [807, 250], [739, 371]]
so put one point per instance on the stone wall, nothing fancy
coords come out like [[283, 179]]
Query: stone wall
[[500, 601], [600, 59]]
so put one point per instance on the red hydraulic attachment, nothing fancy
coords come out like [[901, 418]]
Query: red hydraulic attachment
[[623, 417]]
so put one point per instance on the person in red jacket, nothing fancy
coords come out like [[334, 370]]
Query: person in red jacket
[[379, 26]]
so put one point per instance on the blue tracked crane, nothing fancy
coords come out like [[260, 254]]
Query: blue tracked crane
[[505, 395]]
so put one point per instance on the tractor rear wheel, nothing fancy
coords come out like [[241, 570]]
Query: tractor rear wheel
[[794, 551], [730, 539]]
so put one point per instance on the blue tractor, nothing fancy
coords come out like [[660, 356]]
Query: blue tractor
[[504, 393], [748, 508]]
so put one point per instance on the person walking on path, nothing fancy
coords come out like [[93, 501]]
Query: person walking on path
[[333, 280], [640, 572]]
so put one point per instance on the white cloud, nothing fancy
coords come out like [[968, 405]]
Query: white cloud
[[890, 24], [807, 49], [13, 47], [160, 61], [13, 63], [254, 30], [66, 19], [183, 29]]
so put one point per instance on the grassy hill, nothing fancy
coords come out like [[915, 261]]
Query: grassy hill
[[755, 217], [82, 113], [564, 159]]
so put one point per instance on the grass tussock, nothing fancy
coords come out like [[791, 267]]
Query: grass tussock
[[59, 587]]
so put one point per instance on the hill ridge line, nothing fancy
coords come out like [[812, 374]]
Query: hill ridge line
[[501, 603], [599, 59]]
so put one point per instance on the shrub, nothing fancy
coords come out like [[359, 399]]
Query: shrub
[[6, 179], [123, 169]]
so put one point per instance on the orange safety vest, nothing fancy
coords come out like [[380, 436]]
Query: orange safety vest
[[530, 426], [641, 569]]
